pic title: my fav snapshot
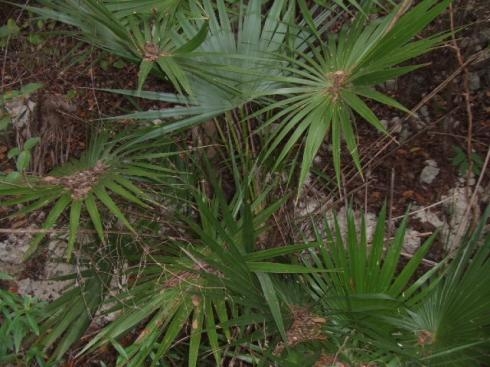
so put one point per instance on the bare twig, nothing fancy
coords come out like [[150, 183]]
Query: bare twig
[[444, 84], [401, 10], [64, 231], [388, 139], [466, 87], [390, 209], [440, 202], [94, 88], [469, 139], [472, 202]]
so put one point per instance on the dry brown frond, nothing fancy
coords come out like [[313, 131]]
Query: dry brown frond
[[425, 337], [329, 361], [188, 276], [79, 183], [338, 79], [152, 52], [306, 327]]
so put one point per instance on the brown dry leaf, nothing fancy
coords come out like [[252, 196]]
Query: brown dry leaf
[[408, 194], [401, 152], [329, 361], [421, 199], [376, 195], [142, 335], [19, 224], [306, 327]]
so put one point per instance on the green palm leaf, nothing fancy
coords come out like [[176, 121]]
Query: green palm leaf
[[450, 326], [64, 321], [326, 83], [146, 33], [227, 69], [104, 172], [368, 293]]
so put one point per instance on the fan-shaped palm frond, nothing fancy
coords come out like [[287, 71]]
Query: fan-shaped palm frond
[[146, 33], [451, 325], [220, 286], [64, 321], [328, 83], [383, 310], [231, 67], [357, 5], [106, 170], [370, 289]]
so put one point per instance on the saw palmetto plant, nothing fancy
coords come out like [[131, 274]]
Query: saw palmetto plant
[[327, 84], [187, 268], [89, 185], [320, 80], [219, 286], [382, 312], [450, 326], [143, 32], [364, 299]]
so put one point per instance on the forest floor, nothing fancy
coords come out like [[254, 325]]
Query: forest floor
[[416, 168]]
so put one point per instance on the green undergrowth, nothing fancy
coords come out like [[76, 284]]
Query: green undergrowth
[[172, 225]]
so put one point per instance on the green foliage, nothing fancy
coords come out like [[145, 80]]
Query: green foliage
[[329, 81], [370, 291], [64, 321], [11, 29], [222, 61], [461, 162], [229, 65], [18, 315], [105, 170], [220, 284], [27, 28], [144, 33], [23, 158], [11, 96], [187, 271], [451, 325], [379, 312]]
